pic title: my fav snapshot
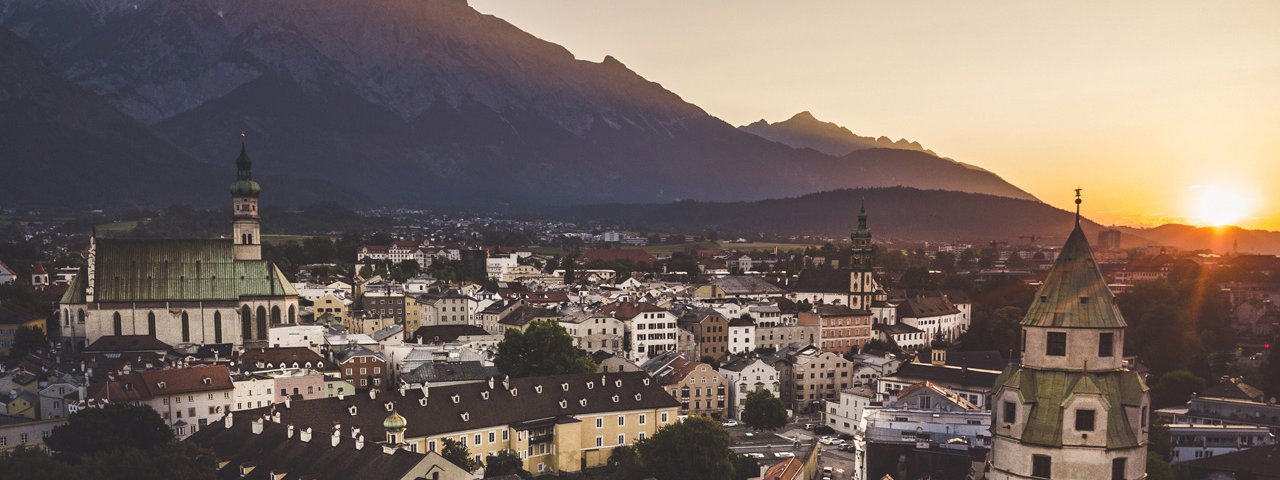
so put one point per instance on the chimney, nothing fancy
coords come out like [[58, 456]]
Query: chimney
[[335, 438], [355, 432], [490, 383], [227, 420], [388, 449], [305, 435], [288, 402], [373, 394], [288, 432], [360, 442], [257, 426], [275, 417]]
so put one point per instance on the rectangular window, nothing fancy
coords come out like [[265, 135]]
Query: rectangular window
[[493, 437], [1084, 420], [1010, 412], [642, 419], [477, 439], [622, 420], [1041, 466], [1056, 346], [622, 439], [1117, 469], [599, 422], [1106, 344], [599, 441]]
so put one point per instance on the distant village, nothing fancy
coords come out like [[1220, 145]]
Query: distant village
[[374, 369]]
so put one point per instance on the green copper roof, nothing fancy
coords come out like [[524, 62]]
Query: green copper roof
[[1075, 294], [1047, 391], [178, 270], [75, 291], [245, 188]]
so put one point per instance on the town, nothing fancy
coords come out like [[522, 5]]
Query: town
[[432, 350]]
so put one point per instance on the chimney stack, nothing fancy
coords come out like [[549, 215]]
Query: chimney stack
[[257, 426], [305, 435]]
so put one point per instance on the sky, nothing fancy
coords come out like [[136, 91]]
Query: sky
[[1164, 112]]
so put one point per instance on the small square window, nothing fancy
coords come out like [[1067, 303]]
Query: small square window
[[1056, 346], [1041, 466], [1084, 420]]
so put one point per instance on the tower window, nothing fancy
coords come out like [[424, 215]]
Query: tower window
[[1041, 466], [1084, 420], [1106, 344], [1056, 345], [1117, 469], [1010, 412]]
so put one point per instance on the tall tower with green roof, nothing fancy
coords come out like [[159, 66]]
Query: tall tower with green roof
[[246, 225], [1069, 408]]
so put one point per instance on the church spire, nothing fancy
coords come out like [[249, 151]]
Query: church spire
[[1078, 202], [862, 215], [244, 166]]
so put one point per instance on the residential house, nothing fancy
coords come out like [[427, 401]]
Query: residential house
[[187, 398], [700, 389], [840, 329], [745, 375]]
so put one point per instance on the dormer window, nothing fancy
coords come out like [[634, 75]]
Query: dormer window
[[537, 388], [564, 404], [1084, 420], [455, 398], [1084, 300], [564, 386]]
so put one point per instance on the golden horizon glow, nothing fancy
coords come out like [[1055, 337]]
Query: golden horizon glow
[[1215, 206], [1133, 101]]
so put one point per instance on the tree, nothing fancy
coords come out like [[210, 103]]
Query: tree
[[626, 464], [1158, 468], [27, 340], [763, 411], [570, 276], [694, 448], [108, 429], [1271, 372], [1175, 388], [745, 467], [543, 348], [505, 462], [458, 454], [34, 465]]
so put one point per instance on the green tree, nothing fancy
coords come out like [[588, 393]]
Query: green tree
[[695, 448], [543, 348], [505, 462], [458, 454], [34, 465], [569, 265], [107, 429], [763, 411], [172, 460], [1158, 468], [1271, 372], [626, 464], [1175, 388], [27, 340], [745, 467]]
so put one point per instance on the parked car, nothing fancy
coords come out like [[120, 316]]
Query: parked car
[[784, 454], [730, 423]]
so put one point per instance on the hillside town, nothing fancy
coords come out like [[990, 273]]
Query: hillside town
[[844, 359]]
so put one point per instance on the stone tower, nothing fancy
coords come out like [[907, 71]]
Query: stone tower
[[246, 229], [1070, 408], [862, 285]]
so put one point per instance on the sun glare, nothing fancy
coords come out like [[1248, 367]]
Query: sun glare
[[1218, 207]]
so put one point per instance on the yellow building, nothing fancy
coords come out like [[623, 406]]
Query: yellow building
[[333, 305], [14, 317], [561, 423]]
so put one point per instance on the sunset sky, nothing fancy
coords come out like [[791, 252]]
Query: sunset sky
[[1163, 111]]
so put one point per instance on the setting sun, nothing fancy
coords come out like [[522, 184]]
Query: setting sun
[[1216, 206]]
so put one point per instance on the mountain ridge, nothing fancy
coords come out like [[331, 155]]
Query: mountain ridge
[[418, 102]]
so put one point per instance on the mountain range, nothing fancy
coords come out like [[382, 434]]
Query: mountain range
[[422, 102], [803, 130]]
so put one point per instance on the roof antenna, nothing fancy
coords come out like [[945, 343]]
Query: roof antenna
[[1078, 190]]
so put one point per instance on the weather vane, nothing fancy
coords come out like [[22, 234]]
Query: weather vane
[[1078, 201]]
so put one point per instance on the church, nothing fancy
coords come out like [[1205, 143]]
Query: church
[[1069, 408], [183, 291]]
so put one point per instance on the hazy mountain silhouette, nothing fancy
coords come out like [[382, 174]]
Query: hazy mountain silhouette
[[899, 213], [421, 102], [803, 130]]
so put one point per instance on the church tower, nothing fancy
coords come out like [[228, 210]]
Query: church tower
[[1069, 408], [244, 199], [862, 285]]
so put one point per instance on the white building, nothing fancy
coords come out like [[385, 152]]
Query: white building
[[498, 265], [845, 415], [742, 336], [651, 329], [307, 336], [1190, 441], [746, 375]]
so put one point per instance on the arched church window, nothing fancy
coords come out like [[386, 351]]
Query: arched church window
[[262, 323], [151, 323], [117, 325], [186, 328], [217, 327], [246, 323]]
